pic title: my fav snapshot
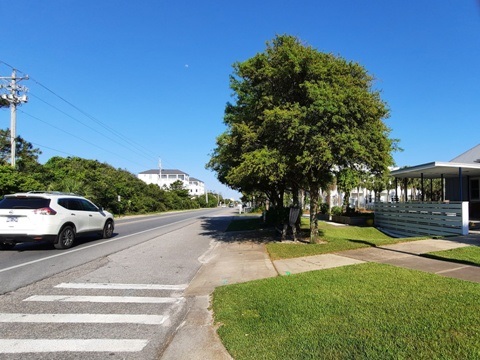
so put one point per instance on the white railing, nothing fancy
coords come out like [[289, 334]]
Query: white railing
[[422, 218]]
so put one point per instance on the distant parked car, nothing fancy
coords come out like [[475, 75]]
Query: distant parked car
[[52, 216]]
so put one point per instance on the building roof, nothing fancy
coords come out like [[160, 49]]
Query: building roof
[[435, 170], [164, 171], [195, 179], [153, 171], [469, 156], [466, 164]]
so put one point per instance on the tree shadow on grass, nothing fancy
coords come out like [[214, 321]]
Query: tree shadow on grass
[[363, 242], [428, 256]]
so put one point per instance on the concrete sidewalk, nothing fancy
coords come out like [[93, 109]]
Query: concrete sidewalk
[[240, 261], [403, 255]]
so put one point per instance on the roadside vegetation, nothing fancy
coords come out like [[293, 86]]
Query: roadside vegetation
[[301, 121], [117, 190], [367, 311]]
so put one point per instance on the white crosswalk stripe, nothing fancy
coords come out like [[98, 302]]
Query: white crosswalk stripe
[[20, 346], [128, 315], [104, 299], [120, 286], [83, 318]]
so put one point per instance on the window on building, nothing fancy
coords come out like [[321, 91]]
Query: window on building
[[181, 177], [475, 189], [172, 176]]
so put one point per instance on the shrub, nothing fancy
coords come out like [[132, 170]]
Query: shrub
[[337, 210], [324, 208]]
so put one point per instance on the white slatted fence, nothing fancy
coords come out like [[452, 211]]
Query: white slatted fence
[[422, 218]]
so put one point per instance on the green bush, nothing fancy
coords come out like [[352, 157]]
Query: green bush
[[337, 210], [324, 208]]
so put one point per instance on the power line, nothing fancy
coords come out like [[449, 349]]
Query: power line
[[79, 138], [139, 149], [92, 118], [82, 123], [49, 148]]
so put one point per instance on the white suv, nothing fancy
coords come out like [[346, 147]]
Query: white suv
[[52, 216]]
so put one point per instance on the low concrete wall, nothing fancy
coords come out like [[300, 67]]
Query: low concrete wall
[[324, 217], [422, 218], [350, 220]]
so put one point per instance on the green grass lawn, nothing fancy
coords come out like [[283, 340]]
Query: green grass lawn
[[334, 239], [367, 311], [469, 255]]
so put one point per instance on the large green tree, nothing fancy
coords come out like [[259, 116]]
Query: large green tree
[[12, 181], [115, 189], [26, 155], [298, 115]]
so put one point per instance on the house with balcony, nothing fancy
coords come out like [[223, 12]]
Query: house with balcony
[[166, 177], [196, 187]]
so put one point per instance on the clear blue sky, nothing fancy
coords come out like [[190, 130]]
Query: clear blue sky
[[153, 75]]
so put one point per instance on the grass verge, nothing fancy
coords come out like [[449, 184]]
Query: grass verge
[[334, 239], [367, 311]]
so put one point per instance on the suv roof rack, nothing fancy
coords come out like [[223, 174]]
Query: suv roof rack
[[51, 192]]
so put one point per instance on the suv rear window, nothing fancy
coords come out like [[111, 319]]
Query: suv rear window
[[24, 203]]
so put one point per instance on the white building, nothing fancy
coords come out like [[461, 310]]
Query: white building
[[169, 176], [196, 187]]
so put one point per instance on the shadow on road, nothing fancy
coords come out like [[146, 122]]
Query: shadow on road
[[216, 227], [47, 245]]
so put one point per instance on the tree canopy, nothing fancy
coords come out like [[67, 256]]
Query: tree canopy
[[117, 190], [26, 154], [298, 116]]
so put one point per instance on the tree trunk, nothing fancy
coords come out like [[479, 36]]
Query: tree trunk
[[298, 204], [329, 202], [314, 194]]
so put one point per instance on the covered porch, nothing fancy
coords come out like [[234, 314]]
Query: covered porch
[[450, 213], [459, 182]]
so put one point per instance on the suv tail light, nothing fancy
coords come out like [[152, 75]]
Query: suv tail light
[[44, 211]]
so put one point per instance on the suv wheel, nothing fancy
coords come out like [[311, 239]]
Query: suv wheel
[[65, 237], [108, 229]]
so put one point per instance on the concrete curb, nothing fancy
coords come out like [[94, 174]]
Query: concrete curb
[[227, 263]]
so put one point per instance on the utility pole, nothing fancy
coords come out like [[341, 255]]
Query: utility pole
[[13, 98]]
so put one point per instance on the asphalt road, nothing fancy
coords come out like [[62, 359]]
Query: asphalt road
[[119, 298], [30, 262]]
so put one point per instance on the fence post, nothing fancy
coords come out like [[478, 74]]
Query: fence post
[[465, 218]]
